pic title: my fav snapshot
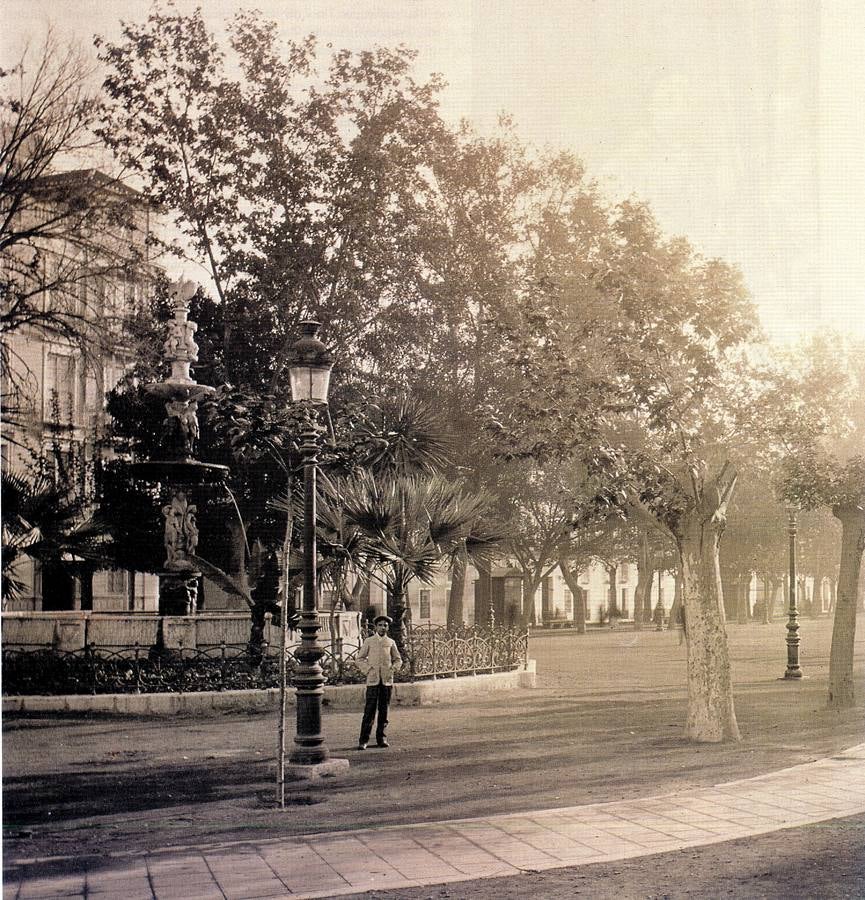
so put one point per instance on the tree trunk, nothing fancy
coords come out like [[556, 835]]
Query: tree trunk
[[130, 590], [612, 605], [817, 594], [643, 591], [773, 596], [483, 596], [530, 585], [802, 595], [353, 599], [730, 591], [456, 597], [581, 609], [743, 600], [711, 715], [396, 609], [572, 581], [85, 581], [236, 550], [676, 614], [852, 520], [649, 614]]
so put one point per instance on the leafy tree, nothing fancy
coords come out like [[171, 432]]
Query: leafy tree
[[395, 505], [628, 358], [755, 542], [478, 238], [594, 537], [830, 472], [301, 191], [819, 550], [539, 518]]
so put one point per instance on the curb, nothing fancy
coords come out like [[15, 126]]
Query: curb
[[348, 696]]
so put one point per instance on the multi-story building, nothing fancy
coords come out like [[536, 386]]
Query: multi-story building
[[81, 258]]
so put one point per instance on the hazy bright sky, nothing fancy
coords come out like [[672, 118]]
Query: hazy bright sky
[[738, 120]]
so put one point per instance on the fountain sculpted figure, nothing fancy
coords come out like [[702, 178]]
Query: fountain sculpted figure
[[181, 532], [180, 343], [180, 426]]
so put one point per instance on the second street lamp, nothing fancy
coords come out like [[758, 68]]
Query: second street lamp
[[793, 669], [309, 368]]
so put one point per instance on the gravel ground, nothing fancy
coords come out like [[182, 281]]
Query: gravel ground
[[605, 723]]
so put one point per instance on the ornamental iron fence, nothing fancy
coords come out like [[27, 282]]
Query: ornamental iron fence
[[433, 652]]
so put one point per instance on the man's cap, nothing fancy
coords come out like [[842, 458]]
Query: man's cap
[[378, 619]]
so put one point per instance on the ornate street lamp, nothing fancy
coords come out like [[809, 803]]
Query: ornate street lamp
[[309, 365], [793, 669]]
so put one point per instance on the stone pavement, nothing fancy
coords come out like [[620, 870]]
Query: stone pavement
[[339, 863]]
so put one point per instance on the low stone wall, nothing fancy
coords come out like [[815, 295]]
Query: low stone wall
[[73, 630], [350, 696], [116, 631]]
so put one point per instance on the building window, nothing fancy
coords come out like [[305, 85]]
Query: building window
[[425, 604], [61, 384], [569, 603]]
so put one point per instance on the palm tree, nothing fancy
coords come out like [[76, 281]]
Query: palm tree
[[48, 523], [404, 436], [411, 523], [392, 515]]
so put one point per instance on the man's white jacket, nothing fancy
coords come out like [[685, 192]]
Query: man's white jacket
[[379, 659]]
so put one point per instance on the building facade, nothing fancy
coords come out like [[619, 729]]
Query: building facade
[[501, 600], [83, 278]]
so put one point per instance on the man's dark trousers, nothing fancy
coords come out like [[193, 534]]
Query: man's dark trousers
[[377, 699]]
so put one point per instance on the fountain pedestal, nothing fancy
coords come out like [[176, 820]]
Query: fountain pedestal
[[178, 469]]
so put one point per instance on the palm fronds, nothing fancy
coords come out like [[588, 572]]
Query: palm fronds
[[44, 521], [404, 436]]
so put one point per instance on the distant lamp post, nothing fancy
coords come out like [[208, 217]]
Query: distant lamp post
[[309, 366], [793, 669]]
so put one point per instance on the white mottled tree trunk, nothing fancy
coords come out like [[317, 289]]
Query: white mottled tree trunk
[[711, 714], [852, 518]]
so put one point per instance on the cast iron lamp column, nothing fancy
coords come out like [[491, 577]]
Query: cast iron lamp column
[[309, 376], [793, 669], [308, 677]]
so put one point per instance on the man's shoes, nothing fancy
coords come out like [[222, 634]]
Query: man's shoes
[[382, 743], [361, 745]]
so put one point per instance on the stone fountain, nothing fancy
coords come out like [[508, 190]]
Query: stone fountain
[[177, 471]]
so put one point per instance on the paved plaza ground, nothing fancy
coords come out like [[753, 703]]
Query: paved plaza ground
[[604, 725]]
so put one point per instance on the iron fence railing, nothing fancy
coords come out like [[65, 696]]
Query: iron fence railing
[[436, 652], [433, 652]]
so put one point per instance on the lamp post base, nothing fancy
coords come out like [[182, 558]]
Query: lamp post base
[[330, 768], [795, 675]]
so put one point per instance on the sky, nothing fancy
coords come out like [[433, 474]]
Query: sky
[[739, 121]]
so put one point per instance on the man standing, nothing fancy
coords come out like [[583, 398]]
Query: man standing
[[379, 658]]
